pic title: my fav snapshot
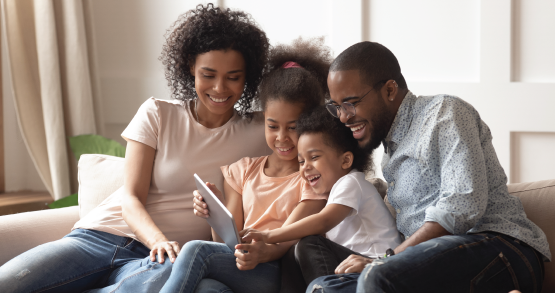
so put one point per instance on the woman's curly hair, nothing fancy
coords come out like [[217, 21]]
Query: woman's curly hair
[[335, 134], [307, 85], [208, 28]]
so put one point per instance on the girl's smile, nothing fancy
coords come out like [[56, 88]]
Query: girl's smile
[[280, 119]]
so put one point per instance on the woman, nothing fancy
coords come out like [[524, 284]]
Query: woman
[[214, 62]]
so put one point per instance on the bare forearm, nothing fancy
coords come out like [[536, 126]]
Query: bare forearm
[[276, 251], [140, 222], [429, 230], [311, 225]]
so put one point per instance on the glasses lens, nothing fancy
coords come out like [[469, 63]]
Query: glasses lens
[[333, 109], [349, 109]]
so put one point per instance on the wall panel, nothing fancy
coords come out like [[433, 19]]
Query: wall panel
[[532, 156], [434, 40], [534, 41], [286, 20]]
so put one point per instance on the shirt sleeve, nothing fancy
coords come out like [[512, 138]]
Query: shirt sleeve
[[144, 126], [463, 195], [236, 173], [308, 194], [348, 193]]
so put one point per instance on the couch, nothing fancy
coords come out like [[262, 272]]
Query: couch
[[100, 175]]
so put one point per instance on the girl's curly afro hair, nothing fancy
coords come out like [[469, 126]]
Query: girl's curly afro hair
[[335, 134], [307, 85], [208, 28]]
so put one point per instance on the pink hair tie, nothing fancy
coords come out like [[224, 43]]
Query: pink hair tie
[[291, 64]]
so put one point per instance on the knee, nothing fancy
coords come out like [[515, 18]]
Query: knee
[[316, 286], [308, 241], [374, 277], [305, 245]]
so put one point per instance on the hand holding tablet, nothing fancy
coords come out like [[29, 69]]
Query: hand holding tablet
[[219, 218]]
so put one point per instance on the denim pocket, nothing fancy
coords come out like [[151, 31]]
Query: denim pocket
[[497, 276]]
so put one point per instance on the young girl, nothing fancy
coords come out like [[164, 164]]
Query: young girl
[[214, 62], [355, 219], [263, 193]]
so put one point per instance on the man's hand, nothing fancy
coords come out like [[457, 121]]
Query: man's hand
[[353, 264], [256, 253]]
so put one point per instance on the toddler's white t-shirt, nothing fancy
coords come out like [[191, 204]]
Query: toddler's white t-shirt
[[369, 229]]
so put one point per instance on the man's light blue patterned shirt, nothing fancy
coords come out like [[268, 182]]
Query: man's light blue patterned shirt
[[441, 167]]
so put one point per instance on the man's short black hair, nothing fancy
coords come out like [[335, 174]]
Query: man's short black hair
[[335, 134], [374, 61]]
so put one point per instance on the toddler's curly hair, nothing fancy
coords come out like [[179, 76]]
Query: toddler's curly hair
[[335, 134]]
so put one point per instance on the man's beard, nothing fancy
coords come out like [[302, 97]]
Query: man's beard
[[381, 123]]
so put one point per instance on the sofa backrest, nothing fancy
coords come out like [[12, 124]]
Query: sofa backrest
[[538, 199], [98, 176]]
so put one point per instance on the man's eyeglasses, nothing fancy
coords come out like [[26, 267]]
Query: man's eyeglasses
[[348, 108]]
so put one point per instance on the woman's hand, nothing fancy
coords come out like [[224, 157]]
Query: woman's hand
[[170, 247], [200, 207]]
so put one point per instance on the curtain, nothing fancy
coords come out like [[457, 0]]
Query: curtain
[[52, 83]]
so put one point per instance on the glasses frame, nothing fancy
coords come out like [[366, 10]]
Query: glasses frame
[[343, 106]]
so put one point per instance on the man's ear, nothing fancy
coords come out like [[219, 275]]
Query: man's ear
[[347, 161], [391, 88]]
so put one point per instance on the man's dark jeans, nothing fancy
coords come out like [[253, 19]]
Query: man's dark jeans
[[484, 262], [312, 257]]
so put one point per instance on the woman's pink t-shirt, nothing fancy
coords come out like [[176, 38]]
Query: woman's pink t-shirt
[[183, 147]]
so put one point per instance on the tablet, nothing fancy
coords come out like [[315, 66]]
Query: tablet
[[221, 220]]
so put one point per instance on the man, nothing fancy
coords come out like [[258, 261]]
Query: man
[[463, 231]]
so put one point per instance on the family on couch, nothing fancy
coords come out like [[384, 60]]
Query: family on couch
[[292, 174]]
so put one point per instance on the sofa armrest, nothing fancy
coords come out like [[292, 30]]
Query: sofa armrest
[[21, 232]]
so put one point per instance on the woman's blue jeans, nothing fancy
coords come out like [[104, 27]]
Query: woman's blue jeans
[[204, 266], [484, 262], [85, 260]]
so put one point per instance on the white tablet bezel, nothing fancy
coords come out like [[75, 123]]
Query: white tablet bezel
[[221, 220]]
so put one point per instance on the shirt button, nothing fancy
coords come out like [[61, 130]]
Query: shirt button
[[391, 183], [398, 211]]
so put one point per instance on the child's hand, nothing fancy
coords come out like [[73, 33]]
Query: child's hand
[[248, 256], [200, 207], [251, 234]]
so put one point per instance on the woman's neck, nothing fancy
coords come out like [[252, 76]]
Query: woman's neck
[[276, 167], [207, 118]]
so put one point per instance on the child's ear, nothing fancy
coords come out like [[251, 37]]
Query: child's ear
[[347, 160]]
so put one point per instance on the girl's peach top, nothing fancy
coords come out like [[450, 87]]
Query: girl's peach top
[[267, 201]]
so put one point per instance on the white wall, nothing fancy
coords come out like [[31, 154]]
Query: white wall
[[495, 54]]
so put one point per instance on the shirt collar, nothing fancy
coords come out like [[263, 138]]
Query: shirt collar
[[402, 120]]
